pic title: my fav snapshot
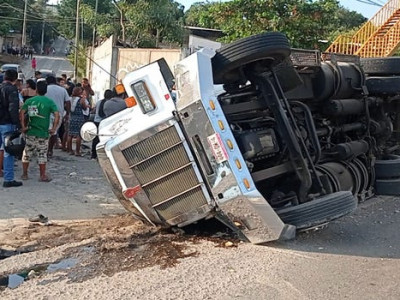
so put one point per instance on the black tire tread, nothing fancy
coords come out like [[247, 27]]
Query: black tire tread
[[387, 168], [247, 50], [378, 85], [390, 187], [381, 65], [319, 211]]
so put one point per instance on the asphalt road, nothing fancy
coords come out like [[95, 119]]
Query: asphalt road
[[57, 62], [371, 231]]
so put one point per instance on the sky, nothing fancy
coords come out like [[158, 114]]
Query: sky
[[366, 10]]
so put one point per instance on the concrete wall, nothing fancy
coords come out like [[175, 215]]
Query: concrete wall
[[120, 61], [132, 59], [99, 72], [196, 43]]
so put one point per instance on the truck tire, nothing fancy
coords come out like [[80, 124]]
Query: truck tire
[[389, 187], [381, 66], [388, 167], [319, 211], [273, 46], [379, 85]]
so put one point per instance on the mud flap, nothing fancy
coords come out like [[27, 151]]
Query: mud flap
[[254, 219]]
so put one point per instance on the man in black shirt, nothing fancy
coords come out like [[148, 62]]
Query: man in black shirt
[[9, 121]]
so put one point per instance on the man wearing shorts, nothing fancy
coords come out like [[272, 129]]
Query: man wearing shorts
[[37, 130]]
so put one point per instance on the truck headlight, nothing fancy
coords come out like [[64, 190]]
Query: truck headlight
[[143, 96]]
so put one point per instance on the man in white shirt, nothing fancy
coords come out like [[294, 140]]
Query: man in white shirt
[[61, 98]]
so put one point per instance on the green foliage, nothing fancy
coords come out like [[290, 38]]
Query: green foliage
[[104, 21], [5, 28], [305, 22], [151, 22], [201, 14], [81, 50], [88, 18], [38, 14], [146, 23], [11, 15]]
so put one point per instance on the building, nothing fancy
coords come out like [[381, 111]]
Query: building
[[110, 61]]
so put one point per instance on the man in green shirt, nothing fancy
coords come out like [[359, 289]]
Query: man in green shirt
[[39, 109]]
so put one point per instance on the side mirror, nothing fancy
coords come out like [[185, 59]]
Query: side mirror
[[88, 131]]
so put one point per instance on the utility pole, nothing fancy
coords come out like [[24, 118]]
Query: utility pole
[[93, 39], [23, 42], [42, 41], [95, 23], [76, 41], [121, 20]]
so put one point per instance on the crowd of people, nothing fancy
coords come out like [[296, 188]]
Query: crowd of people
[[50, 113], [24, 51]]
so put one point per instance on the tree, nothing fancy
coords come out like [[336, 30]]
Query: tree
[[150, 22], [11, 15], [200, 15], [40, 17], [305, 22], [143, 23], [104, 18]]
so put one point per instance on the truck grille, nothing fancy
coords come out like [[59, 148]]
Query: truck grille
[[166, 174]]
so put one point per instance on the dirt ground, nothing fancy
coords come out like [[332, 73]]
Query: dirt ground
[[91, 249]]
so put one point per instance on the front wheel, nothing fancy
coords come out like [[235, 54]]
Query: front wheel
[[269, 47]]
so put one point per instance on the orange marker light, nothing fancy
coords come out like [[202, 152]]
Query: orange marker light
[[212, 104], [230, 144], [246, 183], [120, 89], [238, 164], [130, 102], [221, 125]]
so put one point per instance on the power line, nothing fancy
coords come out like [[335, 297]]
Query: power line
[[41, 18], [375, 3], [33, 14], [35, 20]]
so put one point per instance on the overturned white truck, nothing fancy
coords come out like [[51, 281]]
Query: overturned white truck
[[263, 137]]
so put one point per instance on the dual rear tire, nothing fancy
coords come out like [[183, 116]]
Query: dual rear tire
[[387, 172]]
